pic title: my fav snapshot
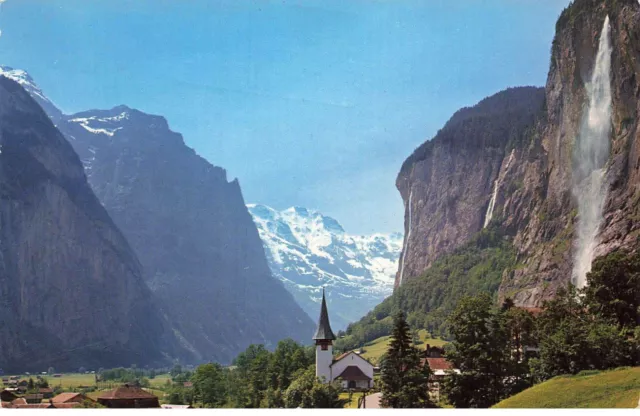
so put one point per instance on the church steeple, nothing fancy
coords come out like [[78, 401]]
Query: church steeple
[[324, 332]]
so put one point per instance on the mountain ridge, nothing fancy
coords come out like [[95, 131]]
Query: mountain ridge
[[308, 251]]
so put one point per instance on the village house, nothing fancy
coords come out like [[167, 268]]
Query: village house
[[350, 369], [128, 397], [77, 398], [441, 368]]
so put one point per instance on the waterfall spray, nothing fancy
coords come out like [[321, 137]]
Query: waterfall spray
[[591, 152], [406, 241]]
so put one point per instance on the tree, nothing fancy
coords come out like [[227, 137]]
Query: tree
[[483, 352], [51, 370], [307, 391], [404, 379], [209, 384], [287, 358], [613, 288], [175, 371], [252, 371], [31, 385]]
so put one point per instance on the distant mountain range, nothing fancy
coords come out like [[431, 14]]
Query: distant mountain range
[[309, 251], [193, 241]]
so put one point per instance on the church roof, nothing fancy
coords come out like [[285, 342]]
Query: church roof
[[324, 331], [353, 372]]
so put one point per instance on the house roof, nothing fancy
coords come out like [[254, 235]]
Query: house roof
[[33, 396], [341, 356], [65, 397], [46, 390], [345, 355], [324, 331], [127, 392], [353, 372], [439, 364]]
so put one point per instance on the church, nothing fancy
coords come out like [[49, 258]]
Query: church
[[351, 370]]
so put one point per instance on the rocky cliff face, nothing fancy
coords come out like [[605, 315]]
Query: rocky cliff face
[[533, 202], [309, 251], [448, 182], [71, 288], [547, 243], [201, 252]]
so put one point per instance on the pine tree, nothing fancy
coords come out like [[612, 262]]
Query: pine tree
[[404, 379]]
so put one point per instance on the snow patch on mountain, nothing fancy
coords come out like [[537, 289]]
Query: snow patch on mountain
[[101, 125], [308, 251]]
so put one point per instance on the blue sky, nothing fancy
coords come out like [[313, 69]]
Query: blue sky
[[309, 103]]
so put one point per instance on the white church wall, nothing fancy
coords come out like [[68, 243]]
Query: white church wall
[[324, 358], [352, 359]]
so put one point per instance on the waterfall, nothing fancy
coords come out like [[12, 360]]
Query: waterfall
[[591, 152], [496, 185], [492, 204], [405, 248]]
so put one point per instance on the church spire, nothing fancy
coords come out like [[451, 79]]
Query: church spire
[[324, 332]]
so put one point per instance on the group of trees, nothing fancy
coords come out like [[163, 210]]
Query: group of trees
[[259, 378], [132, 375], [595, 328], [429, 299]]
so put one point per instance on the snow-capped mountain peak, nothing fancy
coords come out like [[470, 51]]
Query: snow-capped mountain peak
[[308, 250], [24, 79]]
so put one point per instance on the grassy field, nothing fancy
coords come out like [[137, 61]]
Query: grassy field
[[618, 388], [74, 380], [376, 348]]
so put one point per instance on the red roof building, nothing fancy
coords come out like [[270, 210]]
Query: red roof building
[[128, 397]]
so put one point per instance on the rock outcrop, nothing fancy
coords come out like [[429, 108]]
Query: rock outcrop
[[201, 252], [71, 288], [448, 182], [533, 203], [547, 242]]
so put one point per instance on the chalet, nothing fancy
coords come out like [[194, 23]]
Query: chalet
[[440, 367], [188, 384], [70, 398], [128, 397], [353, 371]]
